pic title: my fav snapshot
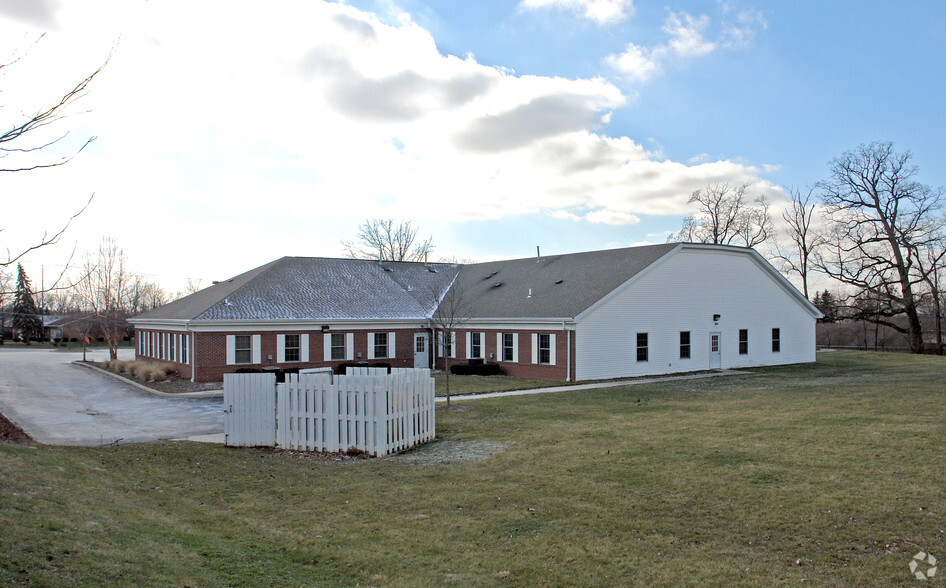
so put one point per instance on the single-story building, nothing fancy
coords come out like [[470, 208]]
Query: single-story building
[[636, 311]]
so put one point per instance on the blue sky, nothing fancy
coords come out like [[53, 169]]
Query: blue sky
[[230, 134]]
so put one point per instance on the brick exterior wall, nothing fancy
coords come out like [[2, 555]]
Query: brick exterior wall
[[524, 368], [212, 351]]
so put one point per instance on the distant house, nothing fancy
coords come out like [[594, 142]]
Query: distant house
[[603, 314]]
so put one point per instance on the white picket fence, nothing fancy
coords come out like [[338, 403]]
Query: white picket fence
[[367, 409]]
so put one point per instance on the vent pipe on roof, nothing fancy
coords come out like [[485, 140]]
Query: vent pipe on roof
[[530, 293], [538, 256]]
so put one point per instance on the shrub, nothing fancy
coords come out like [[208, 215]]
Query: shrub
[[484, 369]]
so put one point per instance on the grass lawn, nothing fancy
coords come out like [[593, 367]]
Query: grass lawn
[[463, 385], [825, 474]]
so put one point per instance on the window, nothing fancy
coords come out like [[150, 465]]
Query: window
[[292, 349], [161, 346], [642, 347], [446, 343], [380, 345], [743, 341], [476, 345], [242, 349], [776, 341], [337, 344], [509, 351], [184, 349], [684, 344], [545, 349], [171, 346]]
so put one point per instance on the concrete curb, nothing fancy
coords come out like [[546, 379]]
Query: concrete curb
[[205, 394], [596, 385]]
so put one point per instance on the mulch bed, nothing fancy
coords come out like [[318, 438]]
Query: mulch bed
[[174, 384], [10, 433]]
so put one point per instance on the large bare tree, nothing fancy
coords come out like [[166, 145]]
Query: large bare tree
[[26, 144], [106, 287], [726, 215], [803, 240], [387, 240], [878, 219]]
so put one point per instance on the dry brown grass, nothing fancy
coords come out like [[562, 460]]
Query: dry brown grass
[[145, 371]]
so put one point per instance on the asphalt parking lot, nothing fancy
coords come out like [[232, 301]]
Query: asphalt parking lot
[[58, 403]]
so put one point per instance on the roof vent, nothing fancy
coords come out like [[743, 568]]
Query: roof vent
[[497, 284], [226, 302], [559, 281], [432, 270], [387, 269], [530, 293], [491, 275]]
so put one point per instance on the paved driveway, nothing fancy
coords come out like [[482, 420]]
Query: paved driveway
[[63, 404]]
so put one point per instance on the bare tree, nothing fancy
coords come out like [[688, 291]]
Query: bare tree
[[726, 216], [25, 137], [878, 217], [451, 314], [931, 262], [803, 240], [106, 288], [386, 240]]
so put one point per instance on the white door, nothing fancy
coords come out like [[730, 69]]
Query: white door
[[421, 351], [715, 355]]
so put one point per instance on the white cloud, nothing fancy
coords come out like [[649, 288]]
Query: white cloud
[[636, 61], [686, 39], [612, 217], [686, 34], [600, 11], [216, 154]]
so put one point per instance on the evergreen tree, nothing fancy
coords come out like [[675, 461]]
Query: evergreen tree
[[828, 305], [26, 319]]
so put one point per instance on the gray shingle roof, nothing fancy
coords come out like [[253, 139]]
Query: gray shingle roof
[[316, 288], [562, 285]]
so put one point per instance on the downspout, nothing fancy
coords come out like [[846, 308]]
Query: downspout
[[193, 347], [568, 353]]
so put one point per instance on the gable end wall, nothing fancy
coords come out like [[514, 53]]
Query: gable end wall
[[683, 293]]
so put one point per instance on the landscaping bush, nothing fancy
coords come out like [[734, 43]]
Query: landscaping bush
[[466, 369], [341, 368]]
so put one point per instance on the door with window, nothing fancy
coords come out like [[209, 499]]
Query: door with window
[[715, 354], [421, 351]]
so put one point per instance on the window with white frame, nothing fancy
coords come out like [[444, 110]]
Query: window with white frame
[[476, 345], [446, 343], [161, 346], [184, 358], [242, 349], [171, 347], [380, 345], [684, 344], [337, 346], [743, 341], [509, 347], [292, 351], [545, 348], [776, 340], [642, 347]]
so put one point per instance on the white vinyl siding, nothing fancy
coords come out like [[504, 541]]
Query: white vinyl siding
[[682, 293]]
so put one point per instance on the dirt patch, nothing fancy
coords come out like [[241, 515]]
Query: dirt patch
[[11, 433], [440, 452], [351, 455]]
